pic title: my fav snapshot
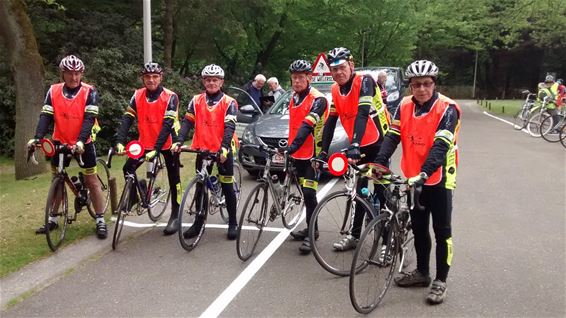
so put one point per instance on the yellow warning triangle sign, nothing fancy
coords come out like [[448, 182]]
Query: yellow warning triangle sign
[[320, 66]]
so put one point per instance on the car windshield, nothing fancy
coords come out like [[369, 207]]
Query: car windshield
[[281, 107], [392, 80]]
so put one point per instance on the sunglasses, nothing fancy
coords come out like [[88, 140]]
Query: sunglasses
[[419, 85]]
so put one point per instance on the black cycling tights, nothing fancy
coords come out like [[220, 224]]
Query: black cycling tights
[[306, 171], [438, 203]]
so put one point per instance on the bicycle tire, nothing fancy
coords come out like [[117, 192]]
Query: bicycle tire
[[189, 210], [253, 219], [521, 119], [161, 193], [59, 209], [330, 221], [563, 135], [372, 271], [548, 125], [103, 174], [122, 212], [294, 204], [533, 125]]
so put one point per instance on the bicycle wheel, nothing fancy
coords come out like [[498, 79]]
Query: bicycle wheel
[[252, 220], [550, 130], [521, 119], [294, 203], [534, 124], [103, 174], [56, 210], [373, 265], [563, 135], [160, 193], [124, 207], [194, 204], [334, 217]]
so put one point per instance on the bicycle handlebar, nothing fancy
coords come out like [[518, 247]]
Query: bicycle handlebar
[[66, 149], [206, 153]]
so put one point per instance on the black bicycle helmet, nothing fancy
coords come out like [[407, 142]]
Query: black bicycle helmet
[[299, 66], [150, 68], [338, 56]]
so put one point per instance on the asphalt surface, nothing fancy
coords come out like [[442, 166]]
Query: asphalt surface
[[509, 254]]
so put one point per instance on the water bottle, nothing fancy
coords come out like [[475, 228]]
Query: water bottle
[[365, 192], [214, 185], [149, 167]]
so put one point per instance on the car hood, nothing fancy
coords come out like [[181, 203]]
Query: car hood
[[272, 126]]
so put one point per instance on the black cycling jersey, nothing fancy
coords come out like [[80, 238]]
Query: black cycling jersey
[[131, 113], [188, 122], [91, 113]]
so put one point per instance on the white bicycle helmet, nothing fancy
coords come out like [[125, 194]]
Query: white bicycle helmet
[[71, 63], [151, 67], [549, 79], [421, 68], [212, 70]]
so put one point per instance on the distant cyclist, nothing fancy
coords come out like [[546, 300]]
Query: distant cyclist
[[307, 109], [550, 89], [357, 102], [212, 114], [73, 108], [155, 108], [427, 126]]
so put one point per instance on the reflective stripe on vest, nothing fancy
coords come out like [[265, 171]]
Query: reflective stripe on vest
[[417, 138], [297, 114], [150, 117], [347, 108], [68, 113], [209, 123]]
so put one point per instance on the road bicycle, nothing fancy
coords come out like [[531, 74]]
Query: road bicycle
[[57, 198], [386, 241], [521, 119], [204, 196], [141, 196], [268, 200], [550, 128], [334, 218], [538, 114]]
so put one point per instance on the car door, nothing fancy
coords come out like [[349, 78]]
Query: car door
[[248, 110]]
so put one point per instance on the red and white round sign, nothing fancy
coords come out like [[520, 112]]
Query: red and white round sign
[[337, 164], [47, 147], [134, 149]]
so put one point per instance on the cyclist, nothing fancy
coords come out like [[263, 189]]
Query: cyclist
[[155, 108], [307, 109], [213, 116], [357, 102], [427, 125], [550, 89], [73, 108]]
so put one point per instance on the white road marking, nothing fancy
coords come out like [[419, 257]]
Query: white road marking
[[503, 120], [210, 226], [220, 303]]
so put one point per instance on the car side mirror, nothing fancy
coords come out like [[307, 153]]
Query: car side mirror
[[248, 109]]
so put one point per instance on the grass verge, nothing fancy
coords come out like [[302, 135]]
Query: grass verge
[[22, 205], [502, 106]]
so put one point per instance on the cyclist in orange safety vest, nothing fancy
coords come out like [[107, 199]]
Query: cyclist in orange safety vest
[[357, 102], [155, 108], [307, 111], [73, 108], [213, 116], [427, 126]]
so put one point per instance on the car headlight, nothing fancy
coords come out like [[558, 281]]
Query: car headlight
[[248, 137], [393, 96]]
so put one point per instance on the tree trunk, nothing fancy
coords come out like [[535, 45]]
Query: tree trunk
[[28, 74], [168, 36]]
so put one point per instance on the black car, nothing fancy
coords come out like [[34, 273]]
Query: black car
[[395, 85]]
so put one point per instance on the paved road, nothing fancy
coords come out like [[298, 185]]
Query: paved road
[[509, 241]]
